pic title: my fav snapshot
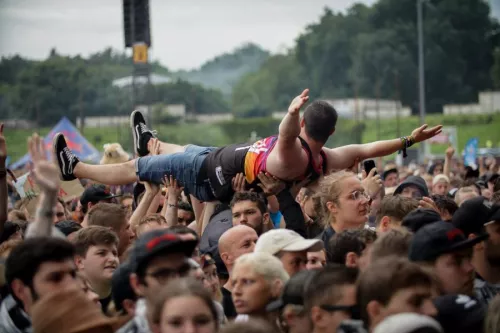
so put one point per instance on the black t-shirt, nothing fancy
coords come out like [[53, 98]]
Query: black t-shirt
[[227, 304], [105, 303], [221, 165]]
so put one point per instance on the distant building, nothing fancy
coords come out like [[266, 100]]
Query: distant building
[[489, 102], [364, 108], [155, 79]]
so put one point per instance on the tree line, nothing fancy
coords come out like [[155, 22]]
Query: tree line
[[365, 52], [371, 51]]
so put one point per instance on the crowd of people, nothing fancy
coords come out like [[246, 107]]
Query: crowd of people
[[279, 235]]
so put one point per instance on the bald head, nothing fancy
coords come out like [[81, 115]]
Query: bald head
[[235, 242]]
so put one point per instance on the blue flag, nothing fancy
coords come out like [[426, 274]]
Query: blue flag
[[470, 152]]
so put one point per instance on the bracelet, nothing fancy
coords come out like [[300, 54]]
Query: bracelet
[[407, 142]]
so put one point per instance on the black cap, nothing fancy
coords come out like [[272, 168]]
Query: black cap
[[460, 313], [294, 290], [120, 285], [419, 217], [68, 227], [473, 214], [155, 242], [96, 193], [436, 239]]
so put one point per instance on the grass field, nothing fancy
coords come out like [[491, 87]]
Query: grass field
[[481, 126]]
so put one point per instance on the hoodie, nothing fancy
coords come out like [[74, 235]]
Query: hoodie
[[13, 319], [417, 181]]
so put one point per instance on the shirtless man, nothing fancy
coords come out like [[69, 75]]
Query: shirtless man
[[297, 153]]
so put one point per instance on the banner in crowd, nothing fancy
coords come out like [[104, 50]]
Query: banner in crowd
[[470, 152], [28, 189], [75, 140]]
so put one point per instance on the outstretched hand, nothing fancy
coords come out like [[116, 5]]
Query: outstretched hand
[[422, 133], [45, 171], [298, 102]]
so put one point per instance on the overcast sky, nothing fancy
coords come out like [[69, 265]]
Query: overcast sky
[[185, 33]]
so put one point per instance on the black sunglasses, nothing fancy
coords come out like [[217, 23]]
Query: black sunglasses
[[353, 310]]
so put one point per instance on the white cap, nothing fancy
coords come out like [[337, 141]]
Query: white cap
[[277, 240], [407, 322]]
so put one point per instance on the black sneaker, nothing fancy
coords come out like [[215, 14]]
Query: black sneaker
[[65, 157], [141, 133]]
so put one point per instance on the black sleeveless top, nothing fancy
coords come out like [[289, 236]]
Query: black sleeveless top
[[223, 164]]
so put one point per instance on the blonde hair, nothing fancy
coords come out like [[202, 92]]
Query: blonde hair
[[464, 190], [265, 265], [330, 188]]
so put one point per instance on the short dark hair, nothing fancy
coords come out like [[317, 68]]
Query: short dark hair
[[323, 288], [183, 230], [185, 206], [341, 244], [25, 259], [444, 202], [320, 119], [250, 196], [93, 236]]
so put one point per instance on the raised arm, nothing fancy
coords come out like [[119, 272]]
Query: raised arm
[[344, 157], [46, 174]]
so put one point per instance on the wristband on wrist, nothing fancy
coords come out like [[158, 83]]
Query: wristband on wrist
[[406, 142]]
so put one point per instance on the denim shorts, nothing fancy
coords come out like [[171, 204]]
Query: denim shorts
[[184, 167]]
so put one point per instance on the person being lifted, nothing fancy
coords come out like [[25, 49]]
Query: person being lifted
[[296, 154]]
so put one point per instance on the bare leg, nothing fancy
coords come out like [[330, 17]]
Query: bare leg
[[109, 174], [167, 148]]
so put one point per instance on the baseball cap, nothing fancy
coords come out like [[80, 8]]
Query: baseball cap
[[420, 217], [274, 241], [294, 290], [436, 239], [407, 323], [474, 213], [96, 193], [155, 242], [460, 313]]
